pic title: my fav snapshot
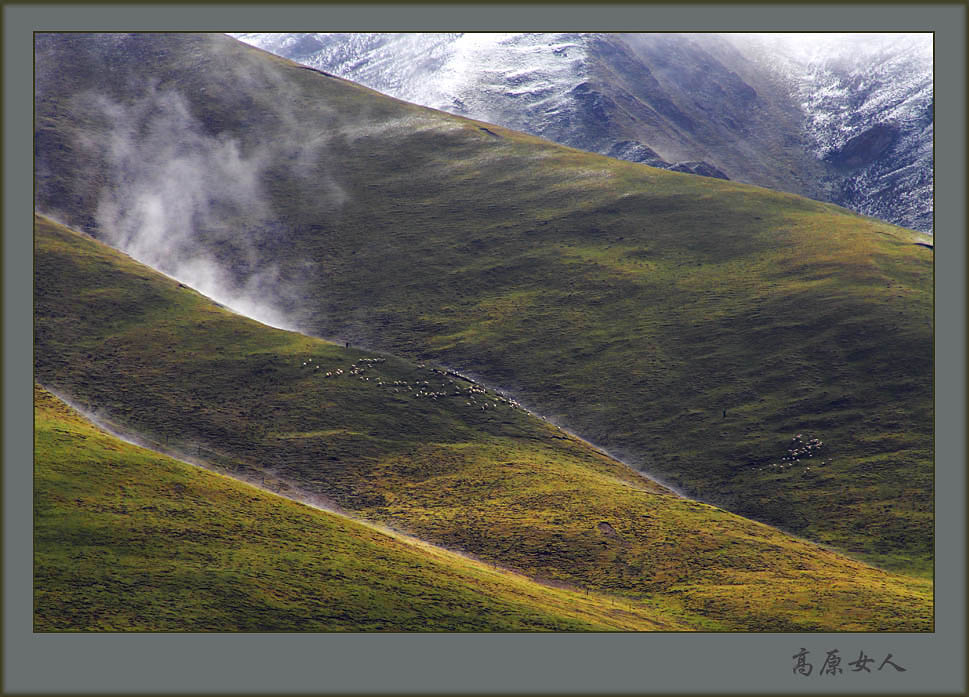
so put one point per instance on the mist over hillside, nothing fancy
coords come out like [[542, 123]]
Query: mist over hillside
[[845, 118], [169, 184]]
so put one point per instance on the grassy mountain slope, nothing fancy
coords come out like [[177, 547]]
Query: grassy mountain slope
[[705, 331], [129, 540], [424, 452]]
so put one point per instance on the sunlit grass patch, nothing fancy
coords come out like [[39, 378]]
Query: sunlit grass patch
[[128, 540]]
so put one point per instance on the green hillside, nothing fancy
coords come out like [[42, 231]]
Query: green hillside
[[129, 540], [705, 331], [424, 452]]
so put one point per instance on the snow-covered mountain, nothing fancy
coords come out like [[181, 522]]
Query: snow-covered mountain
[[844, 118], [867, 101]]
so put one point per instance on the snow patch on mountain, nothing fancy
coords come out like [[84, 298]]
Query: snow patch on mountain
[[868, 104], [845, 83], [521, 81]]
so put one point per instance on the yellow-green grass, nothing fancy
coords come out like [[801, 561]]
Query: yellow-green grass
[[192, 378], [130, 540], [633, 305]]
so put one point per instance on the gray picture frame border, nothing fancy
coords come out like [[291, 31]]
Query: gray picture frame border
[[621, 663]]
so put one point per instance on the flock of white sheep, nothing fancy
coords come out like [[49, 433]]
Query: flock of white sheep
[[451, 384]]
